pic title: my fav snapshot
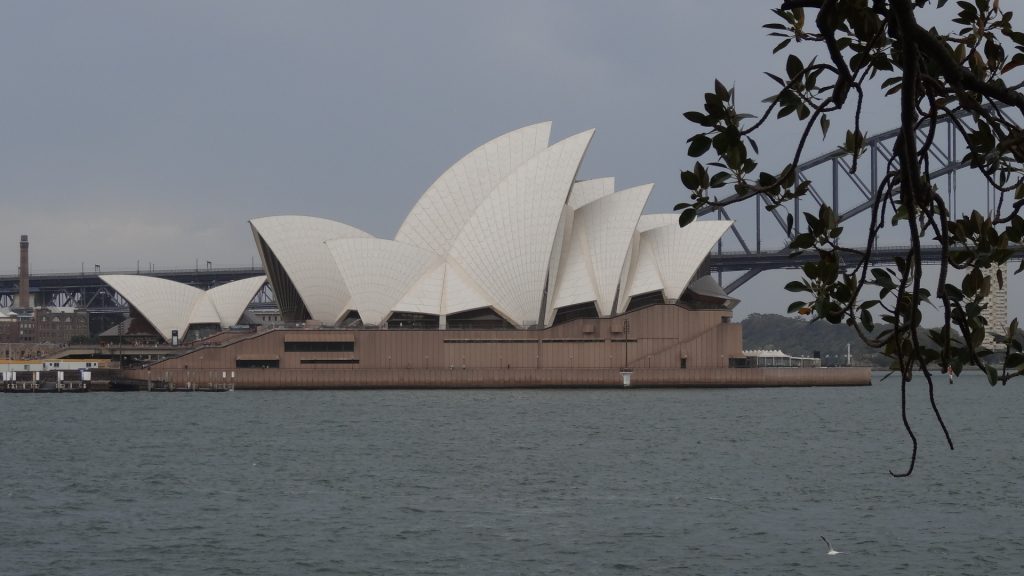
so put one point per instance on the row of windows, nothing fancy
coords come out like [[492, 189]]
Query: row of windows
[[326, 346], [257, 363], [268, 363]]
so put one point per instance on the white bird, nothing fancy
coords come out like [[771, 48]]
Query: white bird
[[831, 551]]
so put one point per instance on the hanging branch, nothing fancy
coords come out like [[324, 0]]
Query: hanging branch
[[960, 75]]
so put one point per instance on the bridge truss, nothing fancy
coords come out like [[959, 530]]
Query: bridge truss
[[86, 290], [847, 193]]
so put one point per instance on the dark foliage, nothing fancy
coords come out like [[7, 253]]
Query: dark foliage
[[960, 73]]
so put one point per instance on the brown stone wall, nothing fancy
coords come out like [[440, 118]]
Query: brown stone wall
[[582, 353], [658, 337], [59, 327]]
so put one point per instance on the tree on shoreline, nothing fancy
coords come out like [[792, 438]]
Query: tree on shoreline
[[960, 75]]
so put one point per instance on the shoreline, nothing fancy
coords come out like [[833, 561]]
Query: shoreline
[[514, 378]]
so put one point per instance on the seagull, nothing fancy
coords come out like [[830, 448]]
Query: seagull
[[831, 551]]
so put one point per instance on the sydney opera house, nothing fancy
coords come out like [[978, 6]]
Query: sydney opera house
[[508, 271]]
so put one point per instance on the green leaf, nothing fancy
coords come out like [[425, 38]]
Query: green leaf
[[686, 216], [796, 286], [696, 117], [689, 180], [793, 66], [719, 179], [699, 144], [993, 376], [1017, 60], [802, 241], [721, 91]]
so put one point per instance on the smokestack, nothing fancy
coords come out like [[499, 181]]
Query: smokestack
[[23, 274]]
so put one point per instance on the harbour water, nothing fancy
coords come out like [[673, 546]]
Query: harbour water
[[511, 482]]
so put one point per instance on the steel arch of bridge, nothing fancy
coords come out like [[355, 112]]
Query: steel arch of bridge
[[86, 290], [752, 258]]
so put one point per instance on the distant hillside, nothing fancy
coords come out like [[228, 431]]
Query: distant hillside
[[802, 338]]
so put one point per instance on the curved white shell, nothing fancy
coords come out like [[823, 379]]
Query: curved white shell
[[601, 235], [169, 305], [508, 226], [298, 244], [379, 272], [232, 298], [506, 246], [441, 213], [667, 257], [586, 191]]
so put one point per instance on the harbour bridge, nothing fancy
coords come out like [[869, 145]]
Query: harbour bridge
[[850, 195], [833, 183], [86, 290]]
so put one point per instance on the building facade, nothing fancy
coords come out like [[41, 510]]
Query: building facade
[[509, 268], [44, 325]]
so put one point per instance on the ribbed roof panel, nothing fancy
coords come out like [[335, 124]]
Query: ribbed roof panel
[[440, 214], [379, 272], [679, 252], [231, 299], [298, 243], [586, 191], [506, 246], [165, 304]]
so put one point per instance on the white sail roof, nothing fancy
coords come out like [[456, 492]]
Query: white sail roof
[[601, 235], [507, 227], [203, 312], [643, 269], [426, 295], [668, 257], [644, 275], [506, 245], [298, 244], [651, 221], [559, 251], [441, 213], [679, 252], [169, 305], [443, 290], [586, 191], [166, 305], [460, 292], [574, 281], [232, 298], [379, 272]]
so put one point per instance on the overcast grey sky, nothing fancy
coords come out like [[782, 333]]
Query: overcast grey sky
[[152, 131]]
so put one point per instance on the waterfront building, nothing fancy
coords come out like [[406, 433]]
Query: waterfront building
[[30, 322], [506, 237], [509, 270], [50, 325]]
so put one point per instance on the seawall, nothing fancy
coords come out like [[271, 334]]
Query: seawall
[[441, 378]]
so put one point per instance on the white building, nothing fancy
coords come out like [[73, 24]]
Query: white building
[[506, 235]]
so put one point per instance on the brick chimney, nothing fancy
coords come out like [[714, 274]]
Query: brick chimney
[[23, 274]]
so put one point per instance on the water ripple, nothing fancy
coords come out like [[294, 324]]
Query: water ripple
[[510, 482]]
